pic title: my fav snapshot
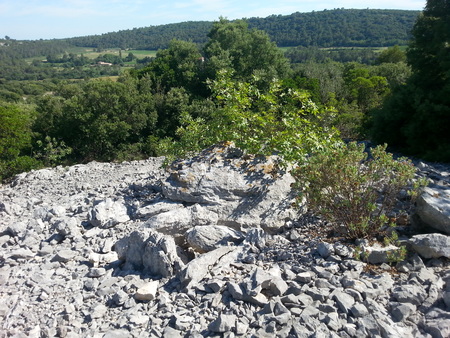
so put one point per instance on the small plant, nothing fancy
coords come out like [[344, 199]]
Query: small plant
[[397, 255], [347, 188], [51, 152], [358, 253]]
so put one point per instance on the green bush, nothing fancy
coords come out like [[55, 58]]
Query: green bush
[[349, 189], [18, 165], [15, 139], [51, 152], [277, 121]]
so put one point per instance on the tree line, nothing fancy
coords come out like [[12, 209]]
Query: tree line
[[328, 28]]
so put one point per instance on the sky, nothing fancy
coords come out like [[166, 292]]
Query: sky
[[55, 19]]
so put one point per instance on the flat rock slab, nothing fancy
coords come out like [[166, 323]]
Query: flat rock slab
[[204, 238], [198, 268], [431, 245], [147, 292]]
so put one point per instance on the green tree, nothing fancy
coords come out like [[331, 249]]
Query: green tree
[[391, 55], [247, 52], [170, 107], [177, 66], [100, 119], [278, 121], [130, 57], [15, 140], [416, 117], [368, 91], [330, 76], [395, 73]]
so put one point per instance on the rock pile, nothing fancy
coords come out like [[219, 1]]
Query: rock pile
[[210, 247]]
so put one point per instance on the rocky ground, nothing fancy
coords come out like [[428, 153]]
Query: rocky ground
[[210, 247]]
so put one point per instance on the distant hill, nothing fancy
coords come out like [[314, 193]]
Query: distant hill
[[328, 28]]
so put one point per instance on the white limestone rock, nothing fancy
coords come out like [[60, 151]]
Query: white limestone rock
[[204, 238], [108, 213], [433, 208], [157, 208], [147, 292], [151, 252], [431, 245], [239, 189]]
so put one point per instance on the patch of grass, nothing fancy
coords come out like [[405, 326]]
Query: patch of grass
[[92, 53], [141, 53]]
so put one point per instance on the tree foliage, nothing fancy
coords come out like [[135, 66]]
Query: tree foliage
[[179, 65], [99, 118], [353, 89], [329, 28], [391, 55], [321, 55], [247, 52], [415, 118], [279, 121], [15, 140]]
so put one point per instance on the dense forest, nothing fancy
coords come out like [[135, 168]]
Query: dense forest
[[328, 28], [238, 85]]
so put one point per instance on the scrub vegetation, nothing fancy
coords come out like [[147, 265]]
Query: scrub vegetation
[[60, 105]]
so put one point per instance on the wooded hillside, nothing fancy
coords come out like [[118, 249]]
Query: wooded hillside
[[338, 28]]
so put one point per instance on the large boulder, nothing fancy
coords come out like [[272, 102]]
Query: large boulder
[[177, 221], [108, 213], [431, 245], [151, 252], [244, 191], [433, 208], [204, 238]]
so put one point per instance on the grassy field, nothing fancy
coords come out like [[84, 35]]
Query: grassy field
[[141, 53], [92, 53]]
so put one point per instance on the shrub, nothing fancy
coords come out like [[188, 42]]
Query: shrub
[[279, 121], [17, 165], [51, 152], [347, 188], [15, 139]]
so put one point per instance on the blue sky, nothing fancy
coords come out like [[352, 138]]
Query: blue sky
[[48, 19]]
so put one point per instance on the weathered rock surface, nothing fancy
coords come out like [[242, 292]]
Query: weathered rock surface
[[147, 292], [431, 245], [151, 252], [239, 189], [204, 238], [108, 213], [116, 250], [433, 208]]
